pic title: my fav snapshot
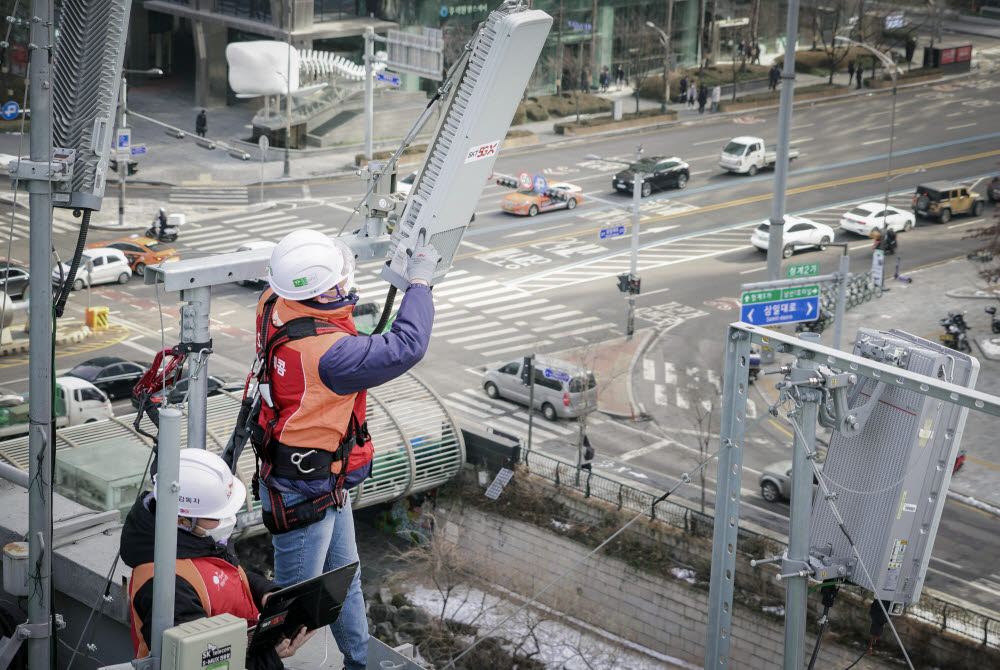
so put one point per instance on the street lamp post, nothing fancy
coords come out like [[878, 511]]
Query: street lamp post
[[665, 38], [893, 72], [288, 90], [122, 123]]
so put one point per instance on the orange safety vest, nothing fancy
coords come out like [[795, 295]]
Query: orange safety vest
[[219, 598]]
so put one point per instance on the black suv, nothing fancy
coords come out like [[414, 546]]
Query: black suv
[[942, 199], [657, 172]]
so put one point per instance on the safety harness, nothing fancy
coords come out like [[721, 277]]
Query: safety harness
[[274, 459]]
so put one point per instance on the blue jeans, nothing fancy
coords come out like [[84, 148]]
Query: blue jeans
[[318, 548]]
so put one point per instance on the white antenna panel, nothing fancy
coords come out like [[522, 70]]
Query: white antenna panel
[[460, 158]]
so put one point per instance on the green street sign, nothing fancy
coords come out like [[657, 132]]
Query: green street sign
[[775, 294], [803, 270]]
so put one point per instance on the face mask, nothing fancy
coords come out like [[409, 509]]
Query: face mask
[[221, 532]]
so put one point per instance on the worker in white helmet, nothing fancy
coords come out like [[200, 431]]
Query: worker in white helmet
[[209, 580]]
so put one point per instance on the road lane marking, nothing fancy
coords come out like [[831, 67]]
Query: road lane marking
[[964, 125], [964, 581], [473, 245], [746, 272], [966, 223], [884, 139], [718, 141], [987, 464], [642, 451]]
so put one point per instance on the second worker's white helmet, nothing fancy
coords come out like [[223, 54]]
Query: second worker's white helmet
[[306, 263]]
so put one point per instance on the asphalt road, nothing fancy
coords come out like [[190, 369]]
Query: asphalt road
[[548, 283]]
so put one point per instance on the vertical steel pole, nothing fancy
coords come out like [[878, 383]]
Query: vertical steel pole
[[195, 329], [531, 397], [775, 242], [122, 169], [796, 556], [165, 538], [290, 17], [838, 323], [369, 91], [634, 261], [40, 437], [735, 383], [892, 137]]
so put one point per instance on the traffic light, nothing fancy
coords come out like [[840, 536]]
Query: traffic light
[[628, 283], [526, 370], [133, 166], [509, 182], [556, 194]]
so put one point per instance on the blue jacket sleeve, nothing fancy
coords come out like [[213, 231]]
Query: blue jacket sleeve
[[357, 363]]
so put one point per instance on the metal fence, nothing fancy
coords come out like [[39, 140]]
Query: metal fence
[[944, 615]]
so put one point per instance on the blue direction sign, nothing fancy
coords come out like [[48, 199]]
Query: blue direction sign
[[140, 149], [556, 374], [540, 184], [388, 78], [10, 110], [614, 231], [776, 306]]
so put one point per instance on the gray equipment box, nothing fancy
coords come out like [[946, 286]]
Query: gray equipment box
[[216, 643], [891, 478]]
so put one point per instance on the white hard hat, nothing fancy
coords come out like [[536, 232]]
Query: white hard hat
[[208, 489], [306, 263]]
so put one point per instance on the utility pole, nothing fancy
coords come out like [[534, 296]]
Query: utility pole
[[369, 91], [775, 242], [122, 168], [529, 365], [290, 14], [633, 267], [41, 446]]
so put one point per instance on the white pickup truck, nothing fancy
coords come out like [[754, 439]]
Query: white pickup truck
[[748, 155], [77, 401]]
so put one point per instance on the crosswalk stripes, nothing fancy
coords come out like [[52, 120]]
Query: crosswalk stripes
[[22, 226], [505, 416], [210, 196], [664, 378], [478, 315], [227, 234]]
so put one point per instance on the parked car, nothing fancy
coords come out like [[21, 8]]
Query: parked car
[[870, 217], [993, 189], [775, 481], [748, 155], [253, 245], [175, 393], [97, 266], [799, 233], [140, 251], [562, 390], [560, 195], [111, 374], [943, 199], [14, 279], [658, 172]]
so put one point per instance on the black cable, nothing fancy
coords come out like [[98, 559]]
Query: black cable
[[81, 241], [390, 298], [829, 592], [858, 660]]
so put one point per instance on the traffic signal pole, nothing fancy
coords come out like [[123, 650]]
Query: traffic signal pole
[[122, 168], [634, 262]]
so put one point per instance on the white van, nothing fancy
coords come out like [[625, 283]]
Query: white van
[[97, 266], [562, 390]]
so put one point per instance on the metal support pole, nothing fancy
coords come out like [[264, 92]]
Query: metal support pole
[[195, 329], [531, 397], [122, 169], [369, 91], [838, 322], [775, 242], [797, 555], [634, 261], [735, 382], [892, 137], [40, 437], [288, 91], [165, 538]]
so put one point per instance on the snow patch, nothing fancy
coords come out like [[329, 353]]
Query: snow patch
[[776, 610], [683, 574]]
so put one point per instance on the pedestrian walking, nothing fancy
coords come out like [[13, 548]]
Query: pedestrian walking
[[772, 77], [605, 79], [619, 77], [716, 96], [859, 74], [756, 54], [850, 72], [691, 95], [313, 442], [684, 88], [702, 98], [201, 123]]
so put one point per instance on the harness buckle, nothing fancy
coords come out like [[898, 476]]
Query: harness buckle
[[297, 459]]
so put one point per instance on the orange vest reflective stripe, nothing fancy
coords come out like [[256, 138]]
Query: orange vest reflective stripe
[[188, 570]]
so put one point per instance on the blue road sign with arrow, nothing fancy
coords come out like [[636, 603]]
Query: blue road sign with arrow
[[614, 231], [775, 306], [10, 110]]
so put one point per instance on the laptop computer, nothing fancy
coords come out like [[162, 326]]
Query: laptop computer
[[313, 603]]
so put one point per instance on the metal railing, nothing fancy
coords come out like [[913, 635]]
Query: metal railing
[[947, 616]]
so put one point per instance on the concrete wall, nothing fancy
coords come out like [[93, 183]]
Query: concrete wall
[[665, 615]]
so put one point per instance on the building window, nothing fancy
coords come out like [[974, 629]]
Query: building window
[[255, 10], [334, 10]]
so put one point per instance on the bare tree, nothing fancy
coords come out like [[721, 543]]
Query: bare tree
[[703, 397]]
